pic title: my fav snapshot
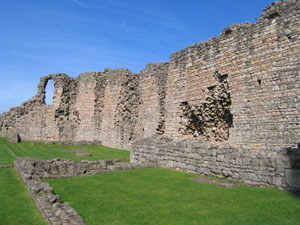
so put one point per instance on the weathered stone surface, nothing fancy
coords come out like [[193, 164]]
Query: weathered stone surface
[[249, 167], [76, 150], [293, 178], [80, 142], [14, 137], [215, 182], [83, 154], [6, 166]]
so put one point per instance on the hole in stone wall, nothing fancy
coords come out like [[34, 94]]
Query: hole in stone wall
[[228, 31], [49, 92], [273, 15], [259, 81], [212, 118]]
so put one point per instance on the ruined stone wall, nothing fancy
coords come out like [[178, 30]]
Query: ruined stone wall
[[51, 207], [253, 102], [96, 107], [86, 129], [241, 88], [260, 168], [153, 92]]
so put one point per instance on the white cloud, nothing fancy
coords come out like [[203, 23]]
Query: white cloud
[[77, 2]]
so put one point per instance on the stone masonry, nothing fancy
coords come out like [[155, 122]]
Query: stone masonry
[[51, 207], [240, 89]]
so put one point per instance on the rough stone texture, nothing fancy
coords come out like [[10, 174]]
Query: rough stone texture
[[6, 166], [214, 182], [83, 154], [76, 150], [262, 64], [291, 178], [212, 119], [80, 142], [240, 88], [14, 137], [53, 210], [274, 169]]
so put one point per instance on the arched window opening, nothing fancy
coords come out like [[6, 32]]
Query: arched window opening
[[49, 93]]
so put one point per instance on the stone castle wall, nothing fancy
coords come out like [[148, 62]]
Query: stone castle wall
[[260, 68], [260, 168], [107, 107], [241, 88]]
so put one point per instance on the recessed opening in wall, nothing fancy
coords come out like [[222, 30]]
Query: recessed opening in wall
[[49, 92], [259, 81]]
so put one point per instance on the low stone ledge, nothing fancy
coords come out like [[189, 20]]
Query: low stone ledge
[[80, 142], [130, 166], [53, 210], [6, 166], [255, 168], [82, 154], [76, 150]]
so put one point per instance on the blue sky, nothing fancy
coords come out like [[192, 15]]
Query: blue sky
[[39, 37]]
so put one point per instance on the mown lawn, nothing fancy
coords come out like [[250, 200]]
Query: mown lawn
[[6, 156], [43, 151], [161, 196], [16, 205]]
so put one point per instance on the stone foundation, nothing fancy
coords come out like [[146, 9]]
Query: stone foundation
[[49, 204]]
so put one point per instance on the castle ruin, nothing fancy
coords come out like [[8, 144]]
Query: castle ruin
[[229, 106]]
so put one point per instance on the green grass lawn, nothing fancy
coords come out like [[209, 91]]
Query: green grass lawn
[[16, 205], [6, 156], [161, 196], [148, 196], [43, 151]]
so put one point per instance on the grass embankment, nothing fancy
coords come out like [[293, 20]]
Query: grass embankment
[[16, 205], [43, 151], [161, 196]]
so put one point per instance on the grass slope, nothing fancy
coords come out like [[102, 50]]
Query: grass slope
[[43, 151], [161, 196], [16, 206]]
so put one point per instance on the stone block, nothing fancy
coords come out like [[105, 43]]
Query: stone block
[[14, 138], [277, 181], [293, 178], [83, 154]]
